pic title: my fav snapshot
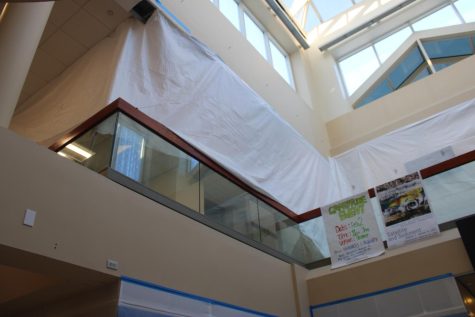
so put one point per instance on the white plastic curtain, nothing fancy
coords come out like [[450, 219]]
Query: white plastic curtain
[[178, 81]]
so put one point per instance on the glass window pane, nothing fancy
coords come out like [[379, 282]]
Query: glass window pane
[[255, 35], [298, 17], [387, 46], [419, 74], [94, 148], [448, 47], [160, 166], [439, 66], [377, 92], [406, 67], [228, 204], [280, 62], [466, 9], [444, 17], [328, 9], [312, 20], [230, 10], [129, 150], [357, 68]]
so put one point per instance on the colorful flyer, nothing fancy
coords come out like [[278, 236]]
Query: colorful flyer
[[352, 231], [406, 212]]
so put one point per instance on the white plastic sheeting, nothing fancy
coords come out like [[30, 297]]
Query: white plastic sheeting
[[179, 82], [142, 299], [384, 158]]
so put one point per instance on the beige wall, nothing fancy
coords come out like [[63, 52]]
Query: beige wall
[[436, 256], [85, 219], [410, 104]]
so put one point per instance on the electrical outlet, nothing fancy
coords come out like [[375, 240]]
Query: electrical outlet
[[112, 264]]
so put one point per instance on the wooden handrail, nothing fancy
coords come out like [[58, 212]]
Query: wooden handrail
[[168, 135], [165, 133]]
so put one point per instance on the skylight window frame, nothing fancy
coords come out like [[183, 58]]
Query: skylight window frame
[[243, 9], [416, 39], [357, 95]]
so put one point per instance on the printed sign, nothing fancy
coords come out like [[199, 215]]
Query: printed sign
[[406, 212], [352, 231]]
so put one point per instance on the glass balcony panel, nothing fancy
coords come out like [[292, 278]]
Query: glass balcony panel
[[284, 235], [228, 204], [315, 230], [145, 157], [451, 193], [93, 149]]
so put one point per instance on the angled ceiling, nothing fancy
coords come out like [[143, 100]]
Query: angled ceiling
[[74, 26]]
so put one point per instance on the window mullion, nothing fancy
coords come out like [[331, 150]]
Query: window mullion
[[426, 56], [242, 26], [457, 12], [377, 55], [268, 52]]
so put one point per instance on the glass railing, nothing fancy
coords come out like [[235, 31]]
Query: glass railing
[[124, 145]]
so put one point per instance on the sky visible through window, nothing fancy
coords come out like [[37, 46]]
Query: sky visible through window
[[354, 75]]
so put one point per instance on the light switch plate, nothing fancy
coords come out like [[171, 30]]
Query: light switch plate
[[112, 264], [30, 216]]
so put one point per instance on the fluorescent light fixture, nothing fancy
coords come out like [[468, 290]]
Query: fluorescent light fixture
[[79, 150], [62, 154]]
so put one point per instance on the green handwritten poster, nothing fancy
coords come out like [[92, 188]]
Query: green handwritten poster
[[352, 231]]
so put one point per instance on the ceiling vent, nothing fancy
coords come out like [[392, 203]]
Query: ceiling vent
[[143, 10]]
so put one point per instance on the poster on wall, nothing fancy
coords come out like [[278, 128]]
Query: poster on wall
[[406, 211], [352, 231]]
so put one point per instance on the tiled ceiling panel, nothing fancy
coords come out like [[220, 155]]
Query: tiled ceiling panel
[[74, 26]]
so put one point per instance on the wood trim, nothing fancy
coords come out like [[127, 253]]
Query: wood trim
[[168, 135], [448, 165], [371, 193], [309, 215], [85, 126]]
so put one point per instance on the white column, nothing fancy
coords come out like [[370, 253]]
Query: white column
[[21, 27]]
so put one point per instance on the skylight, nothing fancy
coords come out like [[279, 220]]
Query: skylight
[[310, 13]]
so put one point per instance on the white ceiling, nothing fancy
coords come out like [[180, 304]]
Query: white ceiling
[[74, 26]]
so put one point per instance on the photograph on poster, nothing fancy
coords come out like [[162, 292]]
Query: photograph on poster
[[402, 199]]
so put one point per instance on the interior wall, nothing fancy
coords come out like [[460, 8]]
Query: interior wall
[[441, 255], [84, 219], [295, 106], [101, 301], [407, 105]]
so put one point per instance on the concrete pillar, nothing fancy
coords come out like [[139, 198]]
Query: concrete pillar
[[21, 27]]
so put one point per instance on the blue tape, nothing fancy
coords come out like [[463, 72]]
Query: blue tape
[[387, 290], [191, 296], [171, 15]]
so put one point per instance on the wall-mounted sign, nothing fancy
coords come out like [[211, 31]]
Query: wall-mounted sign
[[406, 212], [352, 230]]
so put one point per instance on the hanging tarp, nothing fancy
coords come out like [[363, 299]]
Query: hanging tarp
[[178, 81], [384, 158]]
